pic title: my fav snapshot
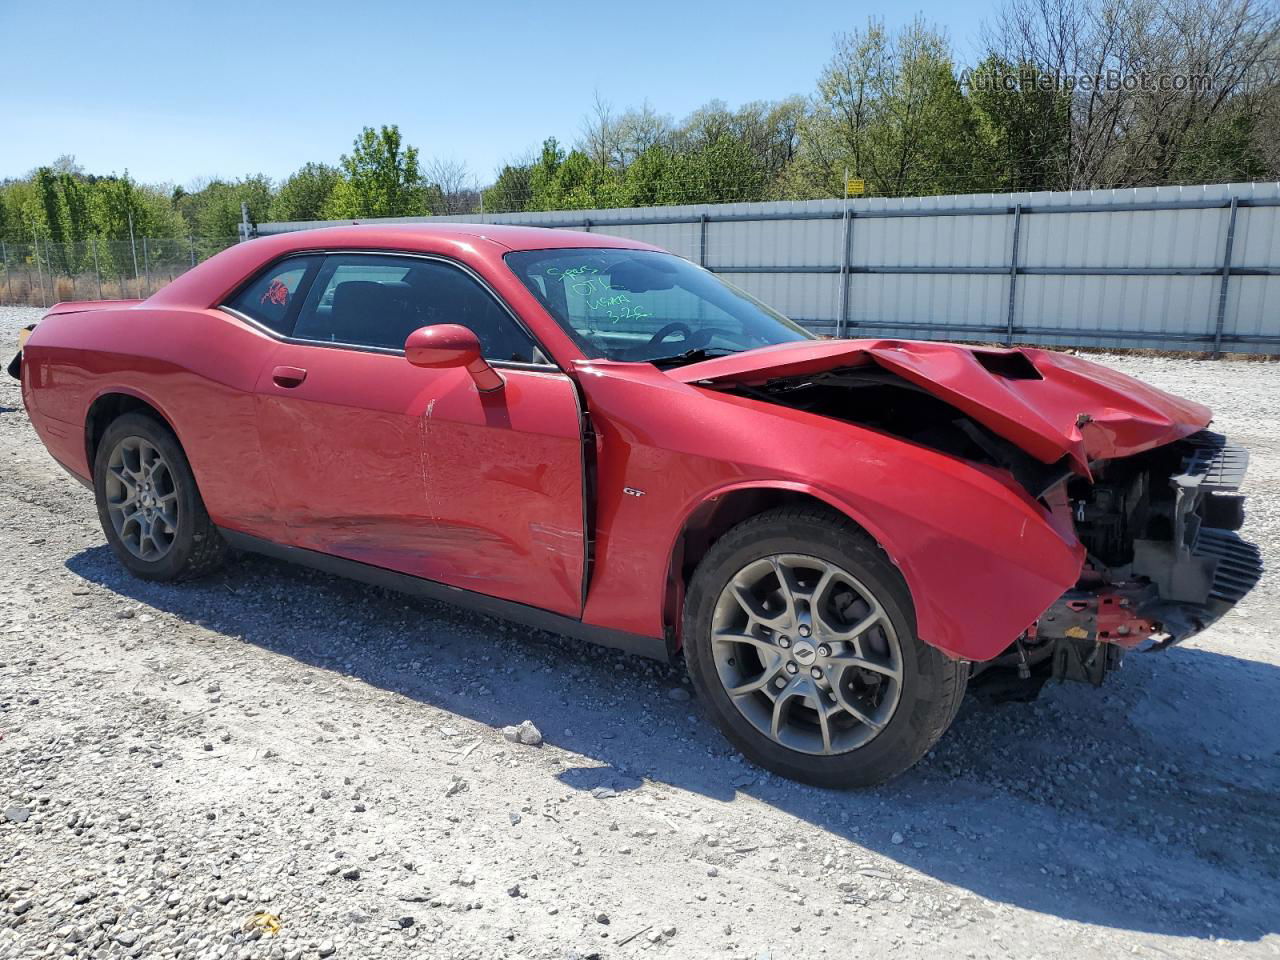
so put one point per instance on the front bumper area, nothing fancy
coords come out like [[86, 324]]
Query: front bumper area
[[1174, 587]]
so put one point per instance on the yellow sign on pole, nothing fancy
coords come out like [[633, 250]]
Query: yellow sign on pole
[[854, 187]]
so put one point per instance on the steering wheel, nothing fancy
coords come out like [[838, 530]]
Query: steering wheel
[[668, 330]]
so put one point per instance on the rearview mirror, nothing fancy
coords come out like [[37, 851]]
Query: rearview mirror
[[634, 276], [451, 345]]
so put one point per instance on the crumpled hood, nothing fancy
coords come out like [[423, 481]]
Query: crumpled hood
[[1049, 404]]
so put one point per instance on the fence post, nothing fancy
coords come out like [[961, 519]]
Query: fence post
[[97, 271], [1013, 274], [586, 224], [35, 252], [846, 246], [1226, 277], [133, 247], [146, 265], [8, 274], [191, 241], [702, 240]]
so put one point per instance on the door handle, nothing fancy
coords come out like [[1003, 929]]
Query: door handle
[[288, 376]]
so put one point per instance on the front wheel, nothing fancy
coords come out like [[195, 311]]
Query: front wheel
[[148, 503], [800, 636]]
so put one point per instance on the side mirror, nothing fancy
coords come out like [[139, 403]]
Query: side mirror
[[451, 345]]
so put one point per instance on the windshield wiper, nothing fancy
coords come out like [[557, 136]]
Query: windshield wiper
[[690, 356]]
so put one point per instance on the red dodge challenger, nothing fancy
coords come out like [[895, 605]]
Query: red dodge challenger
[[593, 436]]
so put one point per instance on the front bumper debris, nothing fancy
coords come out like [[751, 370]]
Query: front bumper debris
[[1174, 587]]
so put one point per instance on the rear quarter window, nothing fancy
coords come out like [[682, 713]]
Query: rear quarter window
[[273, 297]]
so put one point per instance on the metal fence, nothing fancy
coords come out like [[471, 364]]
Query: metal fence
[[1173, 268], [41, 273]]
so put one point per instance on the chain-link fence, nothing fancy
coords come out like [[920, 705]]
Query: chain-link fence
[[41, 273]]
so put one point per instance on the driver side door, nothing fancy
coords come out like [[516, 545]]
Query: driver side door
[[411, 468], [341, 418]]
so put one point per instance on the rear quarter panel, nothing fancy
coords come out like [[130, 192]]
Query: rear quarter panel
[[196, 367]]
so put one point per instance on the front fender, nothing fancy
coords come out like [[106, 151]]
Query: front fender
[[981, 558]]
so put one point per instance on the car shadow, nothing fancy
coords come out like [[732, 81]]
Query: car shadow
[[1150, 805]]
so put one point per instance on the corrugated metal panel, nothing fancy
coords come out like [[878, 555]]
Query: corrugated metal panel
[[1130, 268], [895, 300]]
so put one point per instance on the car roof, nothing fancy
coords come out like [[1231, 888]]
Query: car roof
[[511, 236], [211, 281]]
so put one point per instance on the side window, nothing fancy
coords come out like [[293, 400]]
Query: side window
[[377, 301], [271, 299]]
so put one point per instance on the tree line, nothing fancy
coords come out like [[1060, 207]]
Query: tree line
[[1067, 94]]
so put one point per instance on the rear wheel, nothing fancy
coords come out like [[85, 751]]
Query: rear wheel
[[148, 503], [800, 635]]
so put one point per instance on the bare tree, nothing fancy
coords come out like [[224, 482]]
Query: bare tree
[[848, 91], [1266, 105], [1162, 74], [638, 130], [458, 189], [618, 140], [601, 139], [66, 163], [705, 125]]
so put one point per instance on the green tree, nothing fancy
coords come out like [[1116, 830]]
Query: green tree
[[305, 194], [890, 110], [727, 170], [380, 178], [118, 204], [213, 209], [46, 183], [116, 201], [8, 215], [651, 177], [1228, 147], [1023, 126], [573, 181], [75, 202], [55, 219], [769, 131], [512, 190]]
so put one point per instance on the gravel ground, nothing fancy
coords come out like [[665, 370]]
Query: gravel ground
[[177, 759]]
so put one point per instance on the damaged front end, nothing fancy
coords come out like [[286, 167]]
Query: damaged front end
[[1151, 494], [1164, 558]]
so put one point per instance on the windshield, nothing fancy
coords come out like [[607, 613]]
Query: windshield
[[642, 305]]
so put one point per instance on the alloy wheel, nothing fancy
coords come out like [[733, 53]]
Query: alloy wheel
[[807, 654], [142, 498]]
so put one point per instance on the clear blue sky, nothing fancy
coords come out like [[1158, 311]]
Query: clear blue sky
[[174, 90]]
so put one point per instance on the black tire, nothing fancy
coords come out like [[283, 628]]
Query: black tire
[[197, 548], [932, 684]]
